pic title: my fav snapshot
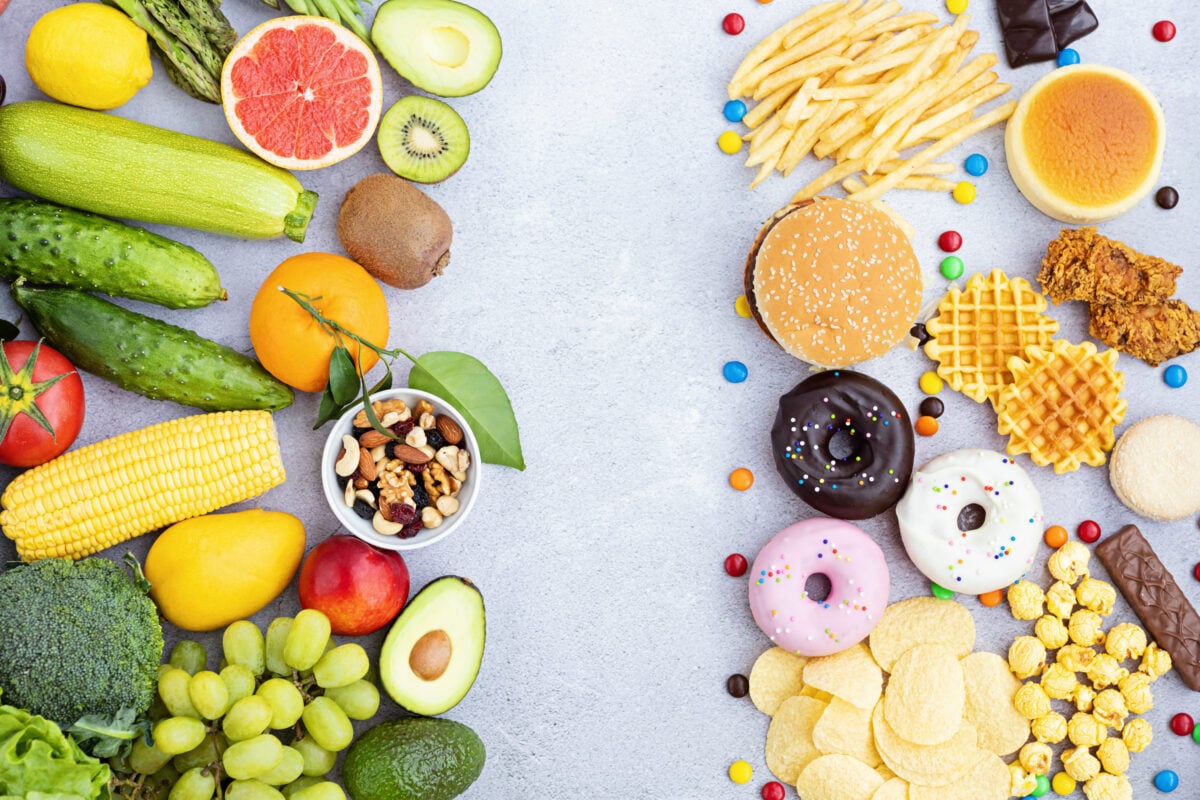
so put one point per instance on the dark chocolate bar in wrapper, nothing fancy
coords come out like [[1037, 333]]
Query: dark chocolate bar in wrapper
[[1035, 30]]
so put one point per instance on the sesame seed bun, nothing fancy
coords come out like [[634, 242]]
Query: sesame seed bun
[[833, 282]]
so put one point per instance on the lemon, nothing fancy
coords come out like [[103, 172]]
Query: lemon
[[88, 55]]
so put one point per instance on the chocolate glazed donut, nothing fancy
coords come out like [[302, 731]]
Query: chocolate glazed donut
[[844, 444]]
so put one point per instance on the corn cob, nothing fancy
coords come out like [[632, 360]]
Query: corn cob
[[106, 493]]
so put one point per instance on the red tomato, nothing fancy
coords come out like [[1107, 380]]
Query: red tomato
[[3, 5], [26, 443]]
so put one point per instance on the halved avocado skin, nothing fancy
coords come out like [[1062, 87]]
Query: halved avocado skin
[[397, 21], [398, 680]]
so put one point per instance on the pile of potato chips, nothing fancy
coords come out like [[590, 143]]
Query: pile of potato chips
[[939, 728]]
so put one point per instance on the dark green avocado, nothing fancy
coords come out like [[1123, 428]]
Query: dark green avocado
[[413, 758]]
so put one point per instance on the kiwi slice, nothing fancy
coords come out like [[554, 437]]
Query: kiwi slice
[[423, 139]]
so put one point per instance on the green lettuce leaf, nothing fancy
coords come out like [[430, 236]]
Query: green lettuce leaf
[[38, 762]]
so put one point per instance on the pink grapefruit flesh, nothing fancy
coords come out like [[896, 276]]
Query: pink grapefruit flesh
[[302, 92]]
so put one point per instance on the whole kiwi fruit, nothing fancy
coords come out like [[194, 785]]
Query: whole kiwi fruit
[[397, 232]]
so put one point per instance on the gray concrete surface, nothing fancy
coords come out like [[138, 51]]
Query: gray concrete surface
[[599, 242]]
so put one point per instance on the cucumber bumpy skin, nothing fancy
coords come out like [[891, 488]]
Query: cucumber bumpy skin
[[149, 356], [120, 168], [49, 244]]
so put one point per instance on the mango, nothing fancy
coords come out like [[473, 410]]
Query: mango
[[209, 571]]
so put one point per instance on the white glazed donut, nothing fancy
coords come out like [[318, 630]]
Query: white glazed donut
[[989, 557]]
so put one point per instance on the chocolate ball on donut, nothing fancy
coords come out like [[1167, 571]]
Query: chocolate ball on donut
[[844, 443]]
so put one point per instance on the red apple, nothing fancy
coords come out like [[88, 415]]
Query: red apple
[[359, 587]]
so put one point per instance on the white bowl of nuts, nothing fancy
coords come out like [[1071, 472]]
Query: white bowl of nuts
[[406, 492]]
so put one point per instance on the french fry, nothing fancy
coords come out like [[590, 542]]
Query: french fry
[[763, 50], [935, 168], [876, 190], [829, 17], [888, 143], [796, 106], [928, 183], [765, 131], [856, 92], [827, 179], [925, 93], [950, 127], [978, 66], [762, 150], [900, 23], [967, 104], [767, 168], [801, 70], [866, 21], [852, 185], [806, 136], [767, 106]]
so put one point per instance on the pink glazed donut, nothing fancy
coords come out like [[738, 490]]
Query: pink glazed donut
[[858, 594]]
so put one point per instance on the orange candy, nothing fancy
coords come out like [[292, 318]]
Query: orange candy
[[741, 479], [1055, 536], [992, 598], [927, 426]]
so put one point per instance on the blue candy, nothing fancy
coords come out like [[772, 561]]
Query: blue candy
[[1067, 57], [976, 164], [1166, 781], [735, 110], [1175, 376], [735, 371]]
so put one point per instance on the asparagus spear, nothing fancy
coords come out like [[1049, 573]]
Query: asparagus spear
[[337, 11], [179, 80], [199, 82], [181, 26], [208, 16]]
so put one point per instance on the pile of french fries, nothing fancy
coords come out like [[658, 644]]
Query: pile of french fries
[[860, 82]]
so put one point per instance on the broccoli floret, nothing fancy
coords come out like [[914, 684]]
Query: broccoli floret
[[78, 638]]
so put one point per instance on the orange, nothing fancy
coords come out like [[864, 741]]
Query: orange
[[302, 92], [290, 343]]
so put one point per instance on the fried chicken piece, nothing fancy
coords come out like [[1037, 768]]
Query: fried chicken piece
[[1153, 332], [1083, 265]]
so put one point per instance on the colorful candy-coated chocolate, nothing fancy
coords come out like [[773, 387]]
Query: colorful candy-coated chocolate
[[951, 267], [1067, 57], [992, 598], [956, 6], [940, 592], [734, 110], [1055, 536], [740, 772], [950, 241], [976, 164], [1174, 376], [1196, 735], [1196, 571], [742, 306], [1182, 724], [931, 382], [932, 407], [919, 333], [773, 791], [735, 371], [1164, 30], [926, 426], [964, 192], [741, 479], [729, 142], [1043, 786], [733, 24], [737, 685], [1088, 531], [735, 565], [1166, 781], [1062, 784], [1167, 197]]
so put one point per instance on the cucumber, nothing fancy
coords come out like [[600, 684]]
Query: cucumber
[[149, 356], [121, 168], [50, 244]]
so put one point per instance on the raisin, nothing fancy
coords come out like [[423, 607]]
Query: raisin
[[363, 510], [434, 439], [420, 496]]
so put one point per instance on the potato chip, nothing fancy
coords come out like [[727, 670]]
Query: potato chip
[[926, 695], [838, 777], [989, 707], [845, 728], [789, 739], [931, 765], [884, 771], [851, 675], [775, 676], [922, 620], [810, 691], [988, 779], [892, 789]]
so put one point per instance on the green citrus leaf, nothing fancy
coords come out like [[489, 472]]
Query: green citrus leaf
[[464, 382], [343, 376], [384, 384], [8, 331], [329, 409]]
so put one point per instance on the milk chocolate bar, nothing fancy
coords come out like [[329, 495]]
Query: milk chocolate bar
[[1156, 598], [1036, 30]]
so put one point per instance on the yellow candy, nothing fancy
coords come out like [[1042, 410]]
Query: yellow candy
[[1062, 784], [730, 143], [964, 192], [742, 306], [740, 772], [930, 383], [956, 6]]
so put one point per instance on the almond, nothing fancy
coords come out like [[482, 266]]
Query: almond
[[373, 438], [366, 464], [449, 429], [409, 454]]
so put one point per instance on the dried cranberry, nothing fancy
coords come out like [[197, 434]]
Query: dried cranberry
[[434, 439], [403, 513], [411, 529], [415, 467], [403, 427]]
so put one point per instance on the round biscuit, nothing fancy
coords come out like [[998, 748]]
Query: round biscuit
[[1155, 467]]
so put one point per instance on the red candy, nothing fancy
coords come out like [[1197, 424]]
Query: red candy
[[773, 791], [1181, 724], [1088, 531], [950, 241], [735, 24], [1164, 30], [1196, 571], [735, 565]]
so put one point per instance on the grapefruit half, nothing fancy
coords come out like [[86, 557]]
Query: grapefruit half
[[302, 92]]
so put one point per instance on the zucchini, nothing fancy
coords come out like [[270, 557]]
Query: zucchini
[[121, 168], [50, 244], [149, 356]]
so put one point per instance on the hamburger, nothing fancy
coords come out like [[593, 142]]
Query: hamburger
[[833, 282]]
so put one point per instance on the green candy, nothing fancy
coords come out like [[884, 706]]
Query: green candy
[[952, 267], [940, 592]]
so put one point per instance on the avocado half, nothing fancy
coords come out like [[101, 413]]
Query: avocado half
[[442, 46], [432, 653]]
